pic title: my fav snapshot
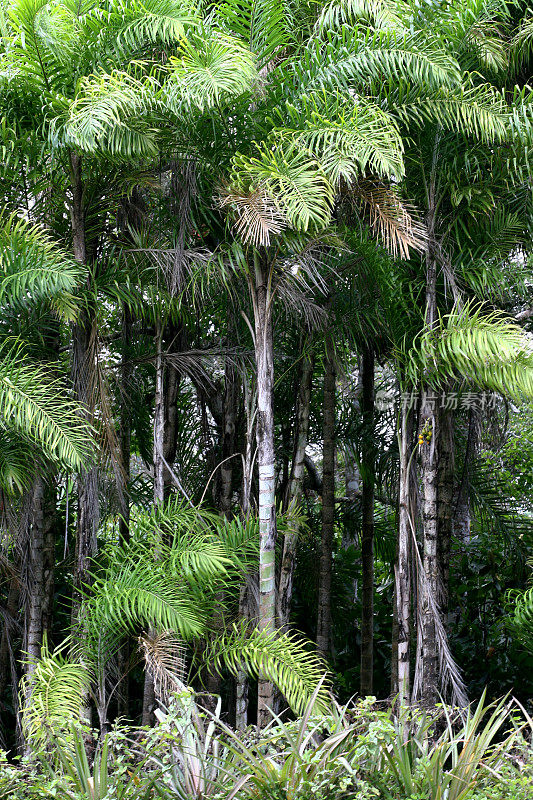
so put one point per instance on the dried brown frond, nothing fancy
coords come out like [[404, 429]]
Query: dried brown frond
[[165, 658], [396, 222], [256, 216]]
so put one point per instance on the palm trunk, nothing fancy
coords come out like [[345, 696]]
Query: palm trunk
[[231, 399], [159, 489], [294, 493], [241, 681], [264, 354], [445, 492], [402, 568], [462, 516], [124, 520], [36, 593], [83, 378], [367, 538], [323, 635], [427, 656]]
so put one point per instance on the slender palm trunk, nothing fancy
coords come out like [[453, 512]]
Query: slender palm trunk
[[124, 520], [264, 354], [445, 508], [231, 399], [241, 681], [427, 656], [323, 635], [294, 493], [83, 342], [367, 538], [159, 488], [402, 568], [36, 593], [462, 516]]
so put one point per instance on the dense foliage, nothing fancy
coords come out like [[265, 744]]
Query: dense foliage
[[266, 385]]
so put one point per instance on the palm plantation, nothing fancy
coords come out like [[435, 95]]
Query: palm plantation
[[266, 377]]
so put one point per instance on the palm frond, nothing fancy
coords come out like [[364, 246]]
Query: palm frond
[[39, 408], [52, 694], [381, 14], [256, 216], [347, 135], [111, 112], [396, 222], [292, 179], [283, 659], [208, 70], [265, 25], [165, 659], [17, 462], [487, 350], [34, 268]]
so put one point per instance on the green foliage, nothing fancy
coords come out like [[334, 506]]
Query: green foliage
[[51, 693], [282, 658], [34, 268], [39, 409]]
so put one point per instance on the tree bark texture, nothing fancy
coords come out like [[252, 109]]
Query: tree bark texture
[[323, 636], [367, 538]]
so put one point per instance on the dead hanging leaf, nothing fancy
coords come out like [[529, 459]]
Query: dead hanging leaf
[[256, 216], [165, 659], [396, 222]]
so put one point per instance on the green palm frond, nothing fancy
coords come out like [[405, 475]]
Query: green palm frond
[[351, 60], [265, 25], [381, 14], [56, 688], [347, 135], [138, 22], [488, 350], [17, 460], [523, 40], [292, 179], [136, 596], [39, 409], [521, 616], [284, 659], [111, 112], [34, 268], [208, 70], [478, 111]]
